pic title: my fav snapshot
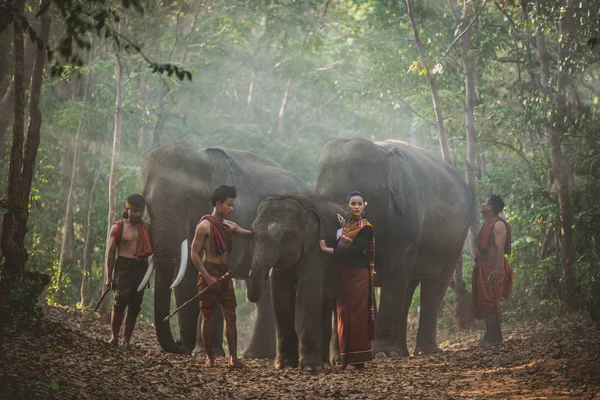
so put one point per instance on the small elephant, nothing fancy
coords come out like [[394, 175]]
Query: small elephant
[[287, 230], [421, 209]]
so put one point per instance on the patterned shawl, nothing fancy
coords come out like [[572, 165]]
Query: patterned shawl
[[486, 233], [221, 236], [143, 247], [348, 233]]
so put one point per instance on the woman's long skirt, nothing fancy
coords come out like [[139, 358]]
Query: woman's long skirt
[[353, 315]]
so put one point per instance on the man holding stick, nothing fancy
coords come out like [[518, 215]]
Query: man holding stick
[[492, 275], [211, 245], [131, 237]]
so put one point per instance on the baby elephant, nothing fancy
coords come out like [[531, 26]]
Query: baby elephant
[[287, 230]]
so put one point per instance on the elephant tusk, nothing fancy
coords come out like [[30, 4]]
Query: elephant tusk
[[183, 264], [147, 276]]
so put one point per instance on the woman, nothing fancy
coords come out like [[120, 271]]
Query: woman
[[355, 253]]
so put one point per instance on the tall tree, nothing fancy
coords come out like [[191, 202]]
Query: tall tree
[[431, 81], [22, 160], [67, 242], [114, 166]]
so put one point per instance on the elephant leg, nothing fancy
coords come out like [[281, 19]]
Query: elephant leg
[[432, 293], [284, 304], [403, 323], [310, 301], [217, 335], [262, 342], [334, 345], [390, 331], [326, 329]]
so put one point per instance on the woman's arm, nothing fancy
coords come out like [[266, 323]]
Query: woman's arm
[[358, 246]]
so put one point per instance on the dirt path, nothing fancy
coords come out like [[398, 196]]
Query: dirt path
[[70, 360]]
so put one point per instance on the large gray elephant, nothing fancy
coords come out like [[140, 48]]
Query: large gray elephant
[[178, 184], [421, 209], [287, 230]]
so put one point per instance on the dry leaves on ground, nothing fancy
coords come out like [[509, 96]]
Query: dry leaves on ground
[[70, 359]]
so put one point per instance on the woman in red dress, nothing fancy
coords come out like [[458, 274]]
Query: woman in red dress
[[355, 253]]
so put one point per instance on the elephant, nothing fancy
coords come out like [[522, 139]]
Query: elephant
[[178, 184], [287, 230], [421, 209]]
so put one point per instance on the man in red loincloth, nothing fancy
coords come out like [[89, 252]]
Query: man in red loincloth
[[131, 237], [210, 248], [492, 275]]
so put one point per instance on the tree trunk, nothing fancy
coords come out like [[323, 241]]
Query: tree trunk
[[560, 165], [12, 250], [559, 175], [463, 309], [67, 242], [281, 118], [431, 81], [87, 255], [114, 167], [5, 42], [7, 103]]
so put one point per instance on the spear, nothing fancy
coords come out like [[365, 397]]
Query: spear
[[206, 289]]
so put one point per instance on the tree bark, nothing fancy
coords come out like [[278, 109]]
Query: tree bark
[[7, 103], [559, 174], [431, 81], [559, 163], [13, 251], [67, 242], [281, 117], [464, 315], [5, 44], [87, 256], [114, 167]]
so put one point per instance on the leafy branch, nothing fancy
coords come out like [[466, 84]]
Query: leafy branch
[[79, 22]]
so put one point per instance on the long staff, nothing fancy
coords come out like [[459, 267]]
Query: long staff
[[206, 289]]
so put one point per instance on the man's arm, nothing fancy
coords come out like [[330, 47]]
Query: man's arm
[[202, 231], [500, 240], [240, 232], [110, 257]]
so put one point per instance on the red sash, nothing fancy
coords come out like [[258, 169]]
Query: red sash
[[143, 246], [221, 236]]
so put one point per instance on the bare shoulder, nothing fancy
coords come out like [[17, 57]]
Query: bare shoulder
[[203, 227], [499, 228], [231, 224], [113, 230]]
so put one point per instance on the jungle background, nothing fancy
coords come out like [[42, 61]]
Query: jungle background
[[505, 91]]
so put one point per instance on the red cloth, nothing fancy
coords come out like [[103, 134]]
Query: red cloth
[[486, 233], [221, 236], [349, 232], [352, 309], [143, 247], [483, 286]]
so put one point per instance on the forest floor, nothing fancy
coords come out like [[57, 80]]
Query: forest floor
[[69, 359]]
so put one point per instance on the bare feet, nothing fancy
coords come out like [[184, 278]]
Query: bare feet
[[349, 368], [234, 363], [209, 363], [113, 341]]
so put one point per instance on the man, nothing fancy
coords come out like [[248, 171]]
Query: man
[[210, 248], [492, 275], [131, 237]]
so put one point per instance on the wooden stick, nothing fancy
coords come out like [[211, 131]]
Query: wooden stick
[[206, 289]]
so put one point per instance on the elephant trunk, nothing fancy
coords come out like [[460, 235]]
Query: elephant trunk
[[263, 260]]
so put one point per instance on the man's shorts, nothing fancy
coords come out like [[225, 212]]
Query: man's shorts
[[222, 293], [129, 273]]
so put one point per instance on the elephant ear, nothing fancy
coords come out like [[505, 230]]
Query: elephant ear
[[312, 231], [395, 181]]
